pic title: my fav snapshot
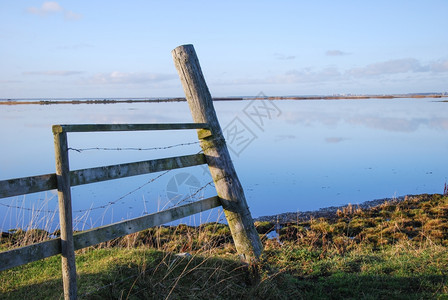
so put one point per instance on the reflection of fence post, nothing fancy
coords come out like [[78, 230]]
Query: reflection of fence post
[[65, 213], [227, 184]]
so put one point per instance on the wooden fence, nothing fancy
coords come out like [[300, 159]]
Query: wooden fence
[[230, 193]]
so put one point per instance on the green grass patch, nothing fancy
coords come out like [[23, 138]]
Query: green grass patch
[[393, 251]]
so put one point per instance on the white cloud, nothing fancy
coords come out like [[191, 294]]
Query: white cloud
[[336, 53], [69, 15], [52, 7], [388, 123], [307, 75], [399, 66], [284, 57], [129, 78], [396, 66], [334, 140], [9, 81], [406, 71], [367, 118], [439, 66], [283, 137], [53, 73], [46, 8], [439, 123]]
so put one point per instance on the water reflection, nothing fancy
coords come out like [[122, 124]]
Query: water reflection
[[311, 155], [333, 152]]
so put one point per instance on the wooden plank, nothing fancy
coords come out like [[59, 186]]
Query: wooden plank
[[20, 256], [27, 185], [92, 175], [126, 127], [34, 184], [227, 184], [65, 216], [109, 232]]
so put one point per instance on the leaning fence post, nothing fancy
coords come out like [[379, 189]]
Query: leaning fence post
[[65, 213], [227, 184]]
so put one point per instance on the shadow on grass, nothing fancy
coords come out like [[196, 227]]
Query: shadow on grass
[[165, 276], [153, 275], [356, 286]]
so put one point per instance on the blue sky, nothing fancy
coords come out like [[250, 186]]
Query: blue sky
[[64, 49]]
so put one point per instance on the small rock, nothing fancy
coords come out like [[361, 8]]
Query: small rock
[[184, 255]]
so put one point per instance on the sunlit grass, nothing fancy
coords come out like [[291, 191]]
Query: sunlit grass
[[397, 250]]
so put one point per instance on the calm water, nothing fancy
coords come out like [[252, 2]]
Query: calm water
[[290, 155]]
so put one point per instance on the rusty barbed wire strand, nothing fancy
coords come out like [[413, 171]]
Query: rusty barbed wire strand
[[124, 196], [29, 209], [118, 199], [131, 148], [219, 140], [192, 195], [92, 208], [32, 209]]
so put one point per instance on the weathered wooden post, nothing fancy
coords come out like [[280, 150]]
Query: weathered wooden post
[[65, 213], [226, 181]]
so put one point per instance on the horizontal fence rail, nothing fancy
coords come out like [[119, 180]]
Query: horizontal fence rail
[[27, 254], [33, 184], [127, 127], [92, 175], [27, 185], [40, 183]]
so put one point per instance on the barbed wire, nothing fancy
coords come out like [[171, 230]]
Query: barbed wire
[[219, 140], [124, 196], [191, 196], [28, 209], [110, 203], [92, 208], [132, 148], [33, 209]]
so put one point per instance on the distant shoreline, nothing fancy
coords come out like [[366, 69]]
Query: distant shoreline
[[181, 99]]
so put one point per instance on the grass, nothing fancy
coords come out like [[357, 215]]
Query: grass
[[397, 250]]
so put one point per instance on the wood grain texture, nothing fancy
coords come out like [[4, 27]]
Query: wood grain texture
[[125, 127], [217, 155], [23, 255], [27, 185], [65, 216], [98, 174], [40, 183]]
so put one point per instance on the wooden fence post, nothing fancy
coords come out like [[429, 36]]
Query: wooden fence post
[[65, 213], [227, 184]]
